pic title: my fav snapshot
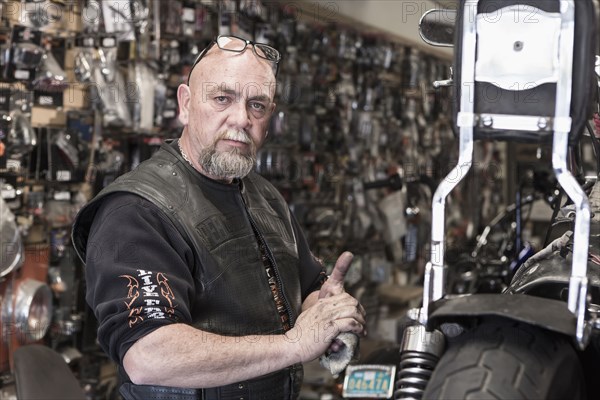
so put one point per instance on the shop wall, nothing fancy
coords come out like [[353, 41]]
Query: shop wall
[[396, 18]]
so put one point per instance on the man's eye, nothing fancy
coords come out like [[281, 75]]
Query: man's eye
[[257, 106], [222, 99]]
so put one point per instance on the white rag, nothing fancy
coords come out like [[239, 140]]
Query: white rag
[[337, 361]]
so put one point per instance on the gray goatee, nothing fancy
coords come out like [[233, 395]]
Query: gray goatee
[[228, 164]]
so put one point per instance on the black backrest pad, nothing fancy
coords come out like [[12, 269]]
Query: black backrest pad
[[540, 100]]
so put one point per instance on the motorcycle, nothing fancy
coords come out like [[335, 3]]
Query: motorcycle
[[525, 72]]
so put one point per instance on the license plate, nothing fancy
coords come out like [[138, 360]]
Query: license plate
[[369, 381]]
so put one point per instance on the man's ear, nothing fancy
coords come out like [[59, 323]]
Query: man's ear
[[271, 110], [184, 98]]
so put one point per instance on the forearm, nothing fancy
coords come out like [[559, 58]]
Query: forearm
[[181, 356]]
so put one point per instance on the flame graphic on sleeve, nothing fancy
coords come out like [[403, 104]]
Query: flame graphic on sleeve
[[132, 295], [165, 289]]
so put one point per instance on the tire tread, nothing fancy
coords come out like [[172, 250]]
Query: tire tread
[[505, 360]]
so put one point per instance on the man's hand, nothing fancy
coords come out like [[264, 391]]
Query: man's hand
[[317, 327], [335, 285]]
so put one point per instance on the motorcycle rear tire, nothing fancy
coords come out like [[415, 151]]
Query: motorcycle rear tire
[[507, 360]]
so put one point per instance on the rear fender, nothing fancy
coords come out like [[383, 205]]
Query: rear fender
[[549, 314]]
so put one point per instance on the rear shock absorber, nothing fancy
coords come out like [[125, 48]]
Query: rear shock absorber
[[419, 354]]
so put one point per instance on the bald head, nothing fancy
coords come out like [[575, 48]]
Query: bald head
[[231, 65]]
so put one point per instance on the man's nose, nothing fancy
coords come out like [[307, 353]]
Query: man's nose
[[240, 118]]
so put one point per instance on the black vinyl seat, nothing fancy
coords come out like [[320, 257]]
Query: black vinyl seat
[[42, 374]]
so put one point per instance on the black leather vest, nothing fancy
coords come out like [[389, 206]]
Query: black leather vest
[[219, 222]]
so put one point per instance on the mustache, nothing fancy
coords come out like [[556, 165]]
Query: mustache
[[238, 136]]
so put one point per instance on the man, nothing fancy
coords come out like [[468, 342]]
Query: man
[[200, 277]]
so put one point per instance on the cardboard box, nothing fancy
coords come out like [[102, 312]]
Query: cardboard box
[[76, 96], [73, 16], [47, 117], [70, 54]]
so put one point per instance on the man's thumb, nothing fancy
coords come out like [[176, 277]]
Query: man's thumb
[[342, 265]]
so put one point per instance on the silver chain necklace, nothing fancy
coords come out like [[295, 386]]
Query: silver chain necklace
[[185, 157]]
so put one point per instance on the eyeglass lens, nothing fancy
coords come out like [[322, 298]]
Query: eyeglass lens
[[233, 43]]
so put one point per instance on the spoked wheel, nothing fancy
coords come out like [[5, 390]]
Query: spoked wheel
[[507, 360]]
